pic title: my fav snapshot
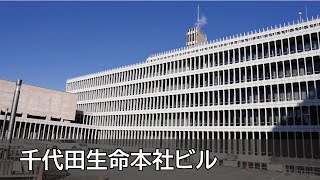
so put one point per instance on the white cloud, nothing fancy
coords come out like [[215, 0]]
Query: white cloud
[[202, 21]]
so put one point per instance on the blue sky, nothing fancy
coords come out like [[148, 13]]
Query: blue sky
[[44, 43]]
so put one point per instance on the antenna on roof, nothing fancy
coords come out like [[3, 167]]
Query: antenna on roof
[[300, 13], [198, 19], [305, 7]]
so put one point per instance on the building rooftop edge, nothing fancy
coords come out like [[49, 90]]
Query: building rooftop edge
[[211, 42], [37, 86]]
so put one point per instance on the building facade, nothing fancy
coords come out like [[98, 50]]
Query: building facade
[[255, 96], [42, 114], [38, 102]]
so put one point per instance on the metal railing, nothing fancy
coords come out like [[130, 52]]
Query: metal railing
[[10, 154]]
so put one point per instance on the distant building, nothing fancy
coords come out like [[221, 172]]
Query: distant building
[[39, 103], [42, 114]]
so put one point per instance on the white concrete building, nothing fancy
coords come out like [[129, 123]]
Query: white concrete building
[[255, 95]]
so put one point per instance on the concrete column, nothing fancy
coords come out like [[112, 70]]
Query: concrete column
[[14, 130], [267, 144], [34, 131], [19, 130], [44, 131], [29, 131]]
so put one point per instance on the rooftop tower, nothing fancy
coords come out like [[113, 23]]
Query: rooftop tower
[[195, 35]]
